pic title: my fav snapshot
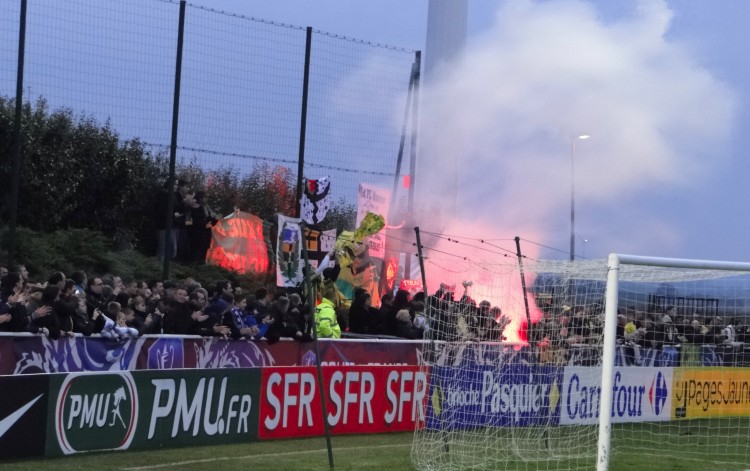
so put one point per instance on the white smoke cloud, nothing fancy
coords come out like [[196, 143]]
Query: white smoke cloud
[[499, 123]]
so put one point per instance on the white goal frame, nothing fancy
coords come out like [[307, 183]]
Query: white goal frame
[[608, 354]]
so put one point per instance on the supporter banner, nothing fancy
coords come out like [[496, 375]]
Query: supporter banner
[[499, 396], [360, 399], [289, 252], [377, 201], [412, 286], [639, 395], [319, 243], [23, 414], [143, 410], [237, 244], [39, 354], [316, 200], [710, 392]]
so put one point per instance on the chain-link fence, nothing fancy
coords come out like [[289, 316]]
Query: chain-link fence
[[241, 85]]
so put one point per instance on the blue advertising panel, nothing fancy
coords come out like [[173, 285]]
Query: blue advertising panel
[[493, 395]]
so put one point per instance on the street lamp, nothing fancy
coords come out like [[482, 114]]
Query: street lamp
[[573, 140]]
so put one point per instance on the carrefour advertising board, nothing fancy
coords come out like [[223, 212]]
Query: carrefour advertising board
[[639, 394], [498, 396], [711, 392]]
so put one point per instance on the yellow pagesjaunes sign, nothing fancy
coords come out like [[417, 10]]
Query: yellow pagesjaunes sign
[[710, 392]]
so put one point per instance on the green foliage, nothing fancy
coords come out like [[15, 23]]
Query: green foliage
[[78, 174], [82, 249], [342, 216]]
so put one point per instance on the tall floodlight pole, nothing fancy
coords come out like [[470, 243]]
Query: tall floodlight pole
[[573, 193]]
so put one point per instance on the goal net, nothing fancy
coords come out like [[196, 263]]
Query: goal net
[[517, 356]]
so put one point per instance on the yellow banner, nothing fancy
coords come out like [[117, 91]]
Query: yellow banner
[[710, 392]]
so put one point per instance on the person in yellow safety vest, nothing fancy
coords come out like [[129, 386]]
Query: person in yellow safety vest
[[325, 316]]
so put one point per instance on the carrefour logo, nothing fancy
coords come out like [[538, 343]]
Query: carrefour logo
[[658, 393], [96, 412]]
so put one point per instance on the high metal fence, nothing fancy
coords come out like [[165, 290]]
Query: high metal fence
[[241, 85]]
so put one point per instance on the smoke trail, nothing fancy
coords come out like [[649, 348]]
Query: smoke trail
[[497, 125]]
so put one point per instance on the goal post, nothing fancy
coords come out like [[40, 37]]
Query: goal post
[[584, 362], [614, 262]]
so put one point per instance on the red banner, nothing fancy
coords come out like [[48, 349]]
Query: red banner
[[360, 399]]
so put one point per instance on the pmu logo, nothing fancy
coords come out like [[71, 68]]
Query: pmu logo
[[96, 412], [657, 393]]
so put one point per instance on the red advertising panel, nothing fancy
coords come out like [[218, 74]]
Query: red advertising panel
[[360, 399]]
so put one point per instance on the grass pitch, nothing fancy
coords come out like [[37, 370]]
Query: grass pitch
[[694, 448]]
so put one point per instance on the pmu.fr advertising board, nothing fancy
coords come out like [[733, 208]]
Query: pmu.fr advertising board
[[359, 399], [711, 392], [639, 394], [151, 409], [497, 396]]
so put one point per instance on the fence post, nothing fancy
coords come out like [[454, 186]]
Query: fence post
[[303, 122], [173, 145], [17, 139]]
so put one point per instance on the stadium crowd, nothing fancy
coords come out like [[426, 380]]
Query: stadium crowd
[[108, 306], [105, 305]]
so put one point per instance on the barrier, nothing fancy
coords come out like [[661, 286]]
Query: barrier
[[32, 354]]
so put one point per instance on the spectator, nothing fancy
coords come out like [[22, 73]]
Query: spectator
[[235, 319], [58, 279], [160, 218], [363, 318], [262, 302], [179, 317], [668, 332], [325, 316], [79, 277], [124, 327], [50, 321], [199, 234], [299, 313], [420, 320], [404, 326], [82, 323], [400, 301], [21, 270], [94, 297]]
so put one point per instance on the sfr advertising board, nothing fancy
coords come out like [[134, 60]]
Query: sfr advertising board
[[639, 394], [151, 409], [711, 392], [360, 399]]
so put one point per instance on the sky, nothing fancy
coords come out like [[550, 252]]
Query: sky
[[661, 87]]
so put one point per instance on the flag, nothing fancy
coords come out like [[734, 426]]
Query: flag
[[372, 199], [237, 244], [289, 260], [315, 201]]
